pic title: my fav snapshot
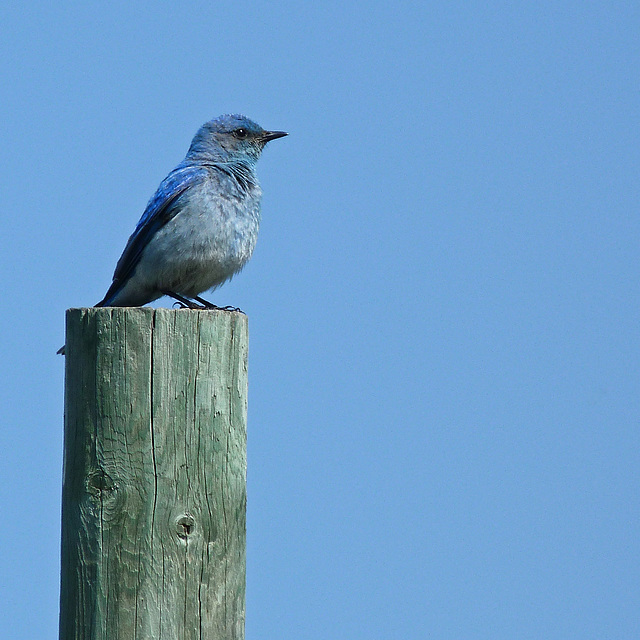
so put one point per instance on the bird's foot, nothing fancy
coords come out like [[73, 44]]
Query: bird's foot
[[184, 303], [209, 305]]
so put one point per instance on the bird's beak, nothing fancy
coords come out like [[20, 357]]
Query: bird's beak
[[272, 135]]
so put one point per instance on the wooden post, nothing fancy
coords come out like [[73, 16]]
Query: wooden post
[[154, 487]]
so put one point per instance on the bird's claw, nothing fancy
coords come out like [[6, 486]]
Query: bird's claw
[[214, 307], [184, 303]]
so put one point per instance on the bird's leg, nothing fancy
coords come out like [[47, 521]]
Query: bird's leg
[[205, 303], [185, 302], [209, 305]]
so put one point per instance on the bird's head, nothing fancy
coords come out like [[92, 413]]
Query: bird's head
[[231, 138]]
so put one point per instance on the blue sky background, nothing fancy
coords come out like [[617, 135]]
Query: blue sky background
[[444, 394]]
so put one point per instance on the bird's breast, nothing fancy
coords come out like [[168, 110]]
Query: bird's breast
[[209, 239]]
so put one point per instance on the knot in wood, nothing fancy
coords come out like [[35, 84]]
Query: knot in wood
[[185, 526], [100, 483]]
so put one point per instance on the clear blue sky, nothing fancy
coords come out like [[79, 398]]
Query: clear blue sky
[[444, 407]]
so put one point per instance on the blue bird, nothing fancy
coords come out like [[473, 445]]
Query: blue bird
[[201, 225]]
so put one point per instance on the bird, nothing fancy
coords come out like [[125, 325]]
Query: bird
[[200, 227]]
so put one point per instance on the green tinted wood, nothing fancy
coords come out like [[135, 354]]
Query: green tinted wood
[[154, 495]]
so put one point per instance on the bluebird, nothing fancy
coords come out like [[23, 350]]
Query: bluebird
[[201, 225]]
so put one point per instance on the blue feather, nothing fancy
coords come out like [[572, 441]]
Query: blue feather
[[161, 208]]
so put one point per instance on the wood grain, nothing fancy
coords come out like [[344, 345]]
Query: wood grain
[[154, 493]]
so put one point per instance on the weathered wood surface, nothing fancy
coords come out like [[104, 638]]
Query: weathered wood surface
[[154, 493]]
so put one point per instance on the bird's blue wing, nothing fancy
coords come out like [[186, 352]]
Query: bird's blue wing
[[160, 209]]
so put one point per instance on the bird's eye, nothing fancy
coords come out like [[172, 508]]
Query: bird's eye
[[241, 133]]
